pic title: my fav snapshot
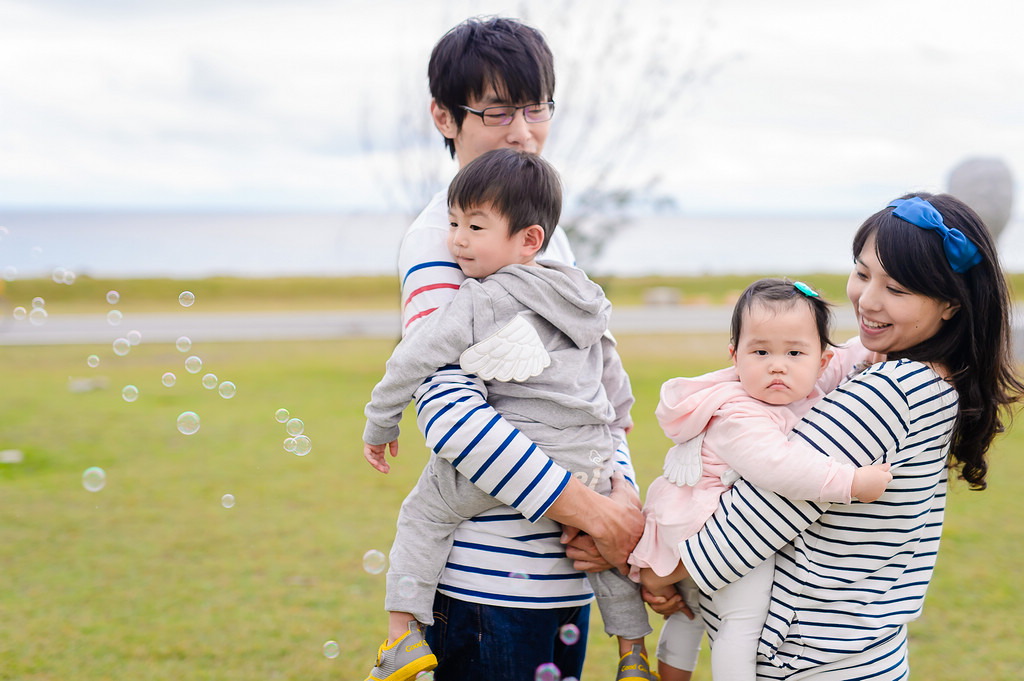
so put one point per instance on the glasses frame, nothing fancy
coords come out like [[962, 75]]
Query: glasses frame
[[482, 113]]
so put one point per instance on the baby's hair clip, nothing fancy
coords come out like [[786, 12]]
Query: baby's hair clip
[[805, 289]]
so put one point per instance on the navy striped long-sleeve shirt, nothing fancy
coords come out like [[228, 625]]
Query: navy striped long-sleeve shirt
[[848, 577]]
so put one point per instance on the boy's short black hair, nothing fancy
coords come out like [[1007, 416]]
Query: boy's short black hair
[[509, 56], [522, 187]]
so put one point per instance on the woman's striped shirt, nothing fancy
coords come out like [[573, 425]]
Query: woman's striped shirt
[[849, 577]]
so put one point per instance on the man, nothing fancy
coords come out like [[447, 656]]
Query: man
[[508, 589]]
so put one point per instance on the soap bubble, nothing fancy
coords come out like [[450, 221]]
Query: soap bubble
[[289, 444], [20, 313], [193, 364], [570, 634], [210, 381], [134, 337], [114, 317], [188, 422], [227, 390], [302, 445], [294, 426], [121, 347], [93, 361], [69, 278], [184, 344], [168, 379], [58, 275], [281, 415], [94, 479], [38, 303], [130, 393], [548, 671], [113, 297], [187, 298], [407, 587], [37, 316], [331, 650], [374, 561], [227, 501]]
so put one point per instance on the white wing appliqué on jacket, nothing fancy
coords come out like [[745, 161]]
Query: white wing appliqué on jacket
[[683, 465], [514, 353]]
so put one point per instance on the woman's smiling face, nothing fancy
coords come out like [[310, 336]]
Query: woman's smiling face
[[890, 317]]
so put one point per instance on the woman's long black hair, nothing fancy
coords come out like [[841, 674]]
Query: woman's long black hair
[[974, 345]]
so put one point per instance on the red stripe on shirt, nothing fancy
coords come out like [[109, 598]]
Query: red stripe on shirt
[[417, 316], [431, 287]]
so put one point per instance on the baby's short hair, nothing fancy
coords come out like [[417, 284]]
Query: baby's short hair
[[784, 294], [524, 188]]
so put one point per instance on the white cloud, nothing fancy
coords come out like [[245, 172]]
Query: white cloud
[[816, 106]]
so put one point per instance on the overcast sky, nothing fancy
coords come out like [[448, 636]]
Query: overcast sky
[[807, 106]]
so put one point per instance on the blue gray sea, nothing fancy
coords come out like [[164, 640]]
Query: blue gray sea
[[191, 245]]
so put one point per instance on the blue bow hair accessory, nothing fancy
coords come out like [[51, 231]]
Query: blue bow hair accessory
[[961, 253]]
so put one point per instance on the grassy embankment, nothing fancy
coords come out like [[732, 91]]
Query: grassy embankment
[[153, 578]]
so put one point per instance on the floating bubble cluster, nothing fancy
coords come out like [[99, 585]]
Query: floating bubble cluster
[[94, 479], [61, 275]]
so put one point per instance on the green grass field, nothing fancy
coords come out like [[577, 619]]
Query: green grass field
[[153, 578]]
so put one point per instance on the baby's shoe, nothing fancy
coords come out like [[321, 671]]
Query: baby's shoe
[[634, 665], [403, 659]]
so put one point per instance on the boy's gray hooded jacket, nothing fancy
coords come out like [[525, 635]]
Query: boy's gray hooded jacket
[[582, 391]]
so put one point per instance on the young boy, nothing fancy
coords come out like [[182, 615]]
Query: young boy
[[537, 334]]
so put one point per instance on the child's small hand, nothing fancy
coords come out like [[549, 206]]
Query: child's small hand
[[869, 482], [375, 455]]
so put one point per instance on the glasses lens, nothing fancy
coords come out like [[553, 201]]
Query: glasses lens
[[498, 115], [538, 113]]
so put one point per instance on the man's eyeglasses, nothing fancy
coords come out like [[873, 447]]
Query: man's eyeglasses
[[504, 115]]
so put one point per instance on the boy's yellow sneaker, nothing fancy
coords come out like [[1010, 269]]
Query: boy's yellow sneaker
[[403, 659], [634, 665]]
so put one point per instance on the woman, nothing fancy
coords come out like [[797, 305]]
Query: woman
[[932, 303]]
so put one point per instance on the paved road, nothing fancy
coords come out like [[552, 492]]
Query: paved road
[[267, 326]]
